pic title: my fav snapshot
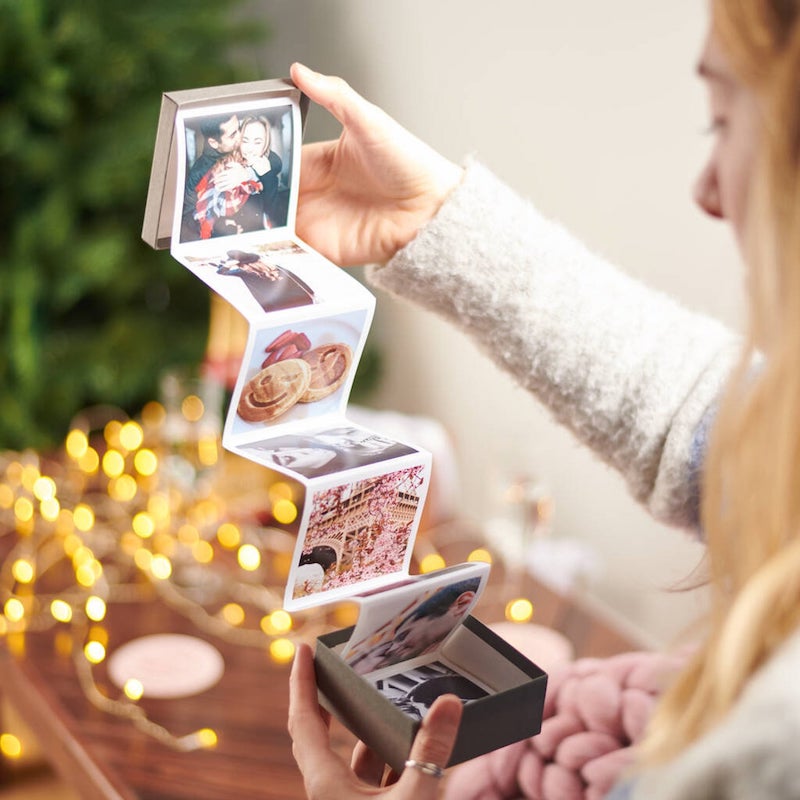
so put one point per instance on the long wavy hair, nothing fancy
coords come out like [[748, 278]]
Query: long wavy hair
[[751, 485]]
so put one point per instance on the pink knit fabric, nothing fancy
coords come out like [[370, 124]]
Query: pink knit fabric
[[594, 713]]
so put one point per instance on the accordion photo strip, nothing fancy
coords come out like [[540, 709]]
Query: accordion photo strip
[[223, 198]]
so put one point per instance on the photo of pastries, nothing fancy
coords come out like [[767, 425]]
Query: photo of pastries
[[298, 366]]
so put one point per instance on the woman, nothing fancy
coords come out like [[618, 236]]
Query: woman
[[254, 203], [644, 395]]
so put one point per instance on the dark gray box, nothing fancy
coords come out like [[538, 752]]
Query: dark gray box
[[512, 712]]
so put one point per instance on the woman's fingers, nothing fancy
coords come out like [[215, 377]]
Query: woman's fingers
[[432, 746], [307, 726], [367, 764], [335, 95]]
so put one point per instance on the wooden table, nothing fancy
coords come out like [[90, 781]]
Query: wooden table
[[105, 757]]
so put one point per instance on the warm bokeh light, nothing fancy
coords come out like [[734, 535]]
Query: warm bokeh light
[[61, 611], [6, 496], [77, 443], [23, 509], [431, 562], [232, 613], [83, 517], [44, 488], [13, 609], [161, 567], [89, 462], [192, 408], [281, 650], [50, 509], [29, 475], [519, 610], [158, 505], [113, 463], [10, 746], [131, 435], [23, 570], [249, 557], [284, 511], [143, 525], [203, 552], [88, 573], [143, 558], [280, 490], [81, 554], [207, 738], [72, 543], [123, 489], [228, 535], [95, 652], [480, 554], [111, 432], [134, 689], [14, 473], [95, 608], [208, 450], [277, 622], [97, 633], [146, 462]]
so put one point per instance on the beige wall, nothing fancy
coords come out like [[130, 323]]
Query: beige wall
[[593, 111]]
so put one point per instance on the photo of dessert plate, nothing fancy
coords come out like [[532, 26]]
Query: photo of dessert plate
[[278, 392]]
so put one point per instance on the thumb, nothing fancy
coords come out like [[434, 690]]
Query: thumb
[[433, 745], [336, 95]]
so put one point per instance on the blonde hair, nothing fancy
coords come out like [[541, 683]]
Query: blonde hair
[[751, 487]]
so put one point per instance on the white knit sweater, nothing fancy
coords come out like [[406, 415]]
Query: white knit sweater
[[629, 371], [633, 375]]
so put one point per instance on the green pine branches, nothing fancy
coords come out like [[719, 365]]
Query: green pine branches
[[88, 313]]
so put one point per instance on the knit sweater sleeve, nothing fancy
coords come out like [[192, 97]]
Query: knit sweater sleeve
[[629, 371]]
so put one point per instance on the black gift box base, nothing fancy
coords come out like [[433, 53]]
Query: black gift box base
[[511, 713]]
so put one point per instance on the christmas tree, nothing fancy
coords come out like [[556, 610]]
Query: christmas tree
[[88, 313]]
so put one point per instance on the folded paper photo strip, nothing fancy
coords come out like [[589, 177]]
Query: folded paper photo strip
[[223, 197]]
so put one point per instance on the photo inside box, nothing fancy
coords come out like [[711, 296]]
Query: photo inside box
[[414, 689]]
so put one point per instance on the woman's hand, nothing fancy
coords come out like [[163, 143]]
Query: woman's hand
[[365, 195], [328, 777]]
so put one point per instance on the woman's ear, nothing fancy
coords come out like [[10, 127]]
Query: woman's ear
[[462, 602]]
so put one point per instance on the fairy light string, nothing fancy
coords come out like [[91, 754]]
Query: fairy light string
[[125, 517], [125, 514]]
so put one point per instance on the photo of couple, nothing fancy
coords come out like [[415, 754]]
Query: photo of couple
[[238, 173]]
